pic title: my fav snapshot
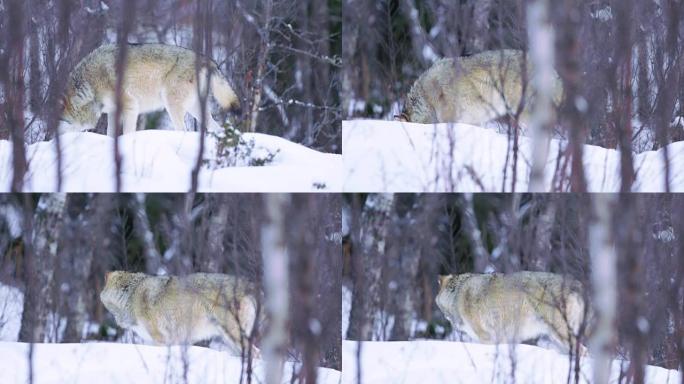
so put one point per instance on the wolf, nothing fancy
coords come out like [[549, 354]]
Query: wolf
[[473, 90], [156, 76], [183, 310], [515, 307]]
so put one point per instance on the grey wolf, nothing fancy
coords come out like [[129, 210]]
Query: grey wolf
[[182, 310], [515, 307], [156, 77]]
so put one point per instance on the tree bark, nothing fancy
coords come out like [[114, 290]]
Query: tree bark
[[12, 76], [141, 223], [47, 223], [264, 49], [480, 254], [372, 236], [79, 246]]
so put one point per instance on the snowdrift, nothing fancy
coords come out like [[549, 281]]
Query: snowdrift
[[129, 363], [162, 161], [455, 362], [407, 157], [11, 307]]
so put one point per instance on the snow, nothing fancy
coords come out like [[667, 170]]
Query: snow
[[346, 309], [429, 361], [162, 161], [408, 157], [129, 363], [11, 307], [11, 215]]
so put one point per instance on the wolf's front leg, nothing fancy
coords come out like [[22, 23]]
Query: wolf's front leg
[[210, 124], [111, 131], [129, 119]]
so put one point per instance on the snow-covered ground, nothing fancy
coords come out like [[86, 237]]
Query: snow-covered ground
[[129, 363], [162, 161], [11, 306], [451, 362], [408, 157]]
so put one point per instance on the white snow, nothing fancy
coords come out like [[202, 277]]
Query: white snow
[[104, 363], [11, 307], [162, 161], [408, 157], [346, 309], [450, 362], [13, 219]]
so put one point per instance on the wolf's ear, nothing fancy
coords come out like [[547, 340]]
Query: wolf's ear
[[107, 276], [443, 279]]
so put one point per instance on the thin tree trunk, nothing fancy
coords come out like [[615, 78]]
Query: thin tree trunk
[[350, 31], [47, 223], [422, 50], [276, 285], [480, 25], [604, 279], [79, 248], [667, 100], [128, 15], [264, 49], [13, 79], [141, 222], [480, 254], [623, 92], [368, 265], [541, 37], [203, 47], [628, 236], [216, 233], [576, 106], [408, 263]]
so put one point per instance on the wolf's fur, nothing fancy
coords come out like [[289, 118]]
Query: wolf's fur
[[500, 308], [156, 76], [473, 90], [173, 310]]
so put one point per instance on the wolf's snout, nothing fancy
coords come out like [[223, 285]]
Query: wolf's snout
[[236, 109]]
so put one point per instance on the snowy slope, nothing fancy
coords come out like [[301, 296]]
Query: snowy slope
[[105, 363], [407, 157], [11, 307], [162, 161], [455, 362]]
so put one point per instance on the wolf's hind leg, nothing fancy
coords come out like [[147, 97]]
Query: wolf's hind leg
[[236, 323], [128, 117]]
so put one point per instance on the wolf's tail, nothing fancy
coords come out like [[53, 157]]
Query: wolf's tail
[[224, 94]]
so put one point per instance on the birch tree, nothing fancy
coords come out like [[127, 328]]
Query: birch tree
[[276, 285], [604, 278], [40, 266], [541, 40], [375, 219]]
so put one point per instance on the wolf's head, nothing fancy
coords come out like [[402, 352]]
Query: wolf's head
[[116, 295], [416, 106], [449, 290], [80, 111]]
